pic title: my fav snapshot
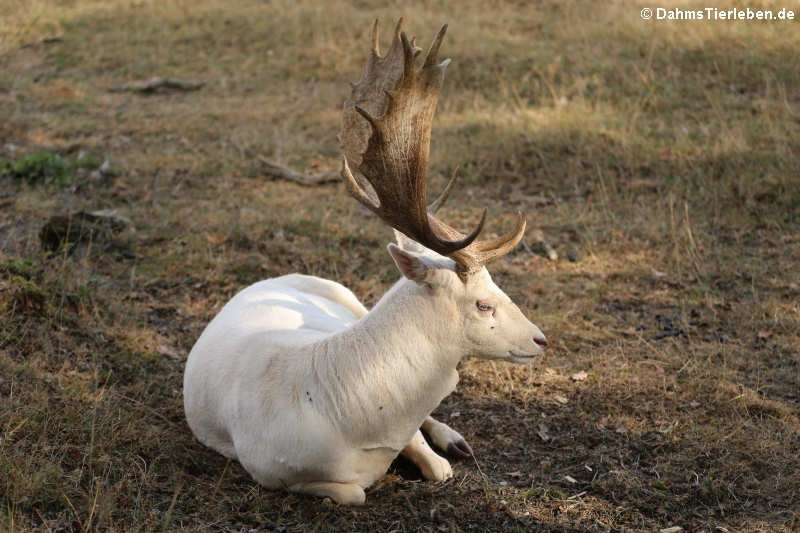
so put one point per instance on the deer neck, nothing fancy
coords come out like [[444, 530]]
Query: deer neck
[[380, 378]]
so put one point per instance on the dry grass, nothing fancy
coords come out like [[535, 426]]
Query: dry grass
[[665, 153]]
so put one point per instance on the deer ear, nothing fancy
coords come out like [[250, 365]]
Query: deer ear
[[409, 263], [406, 243]]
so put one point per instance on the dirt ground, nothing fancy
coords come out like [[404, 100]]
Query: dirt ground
[[658, 158]]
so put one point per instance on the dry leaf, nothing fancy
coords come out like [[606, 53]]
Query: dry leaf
[[163, 349], [215, 239], [658, 273], [542, 432], [579, 376], [667, 430]]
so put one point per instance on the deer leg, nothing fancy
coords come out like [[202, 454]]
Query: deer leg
[[432, 465], [341, 493], [446, 439]]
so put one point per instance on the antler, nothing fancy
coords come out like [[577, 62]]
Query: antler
[[386, 131]]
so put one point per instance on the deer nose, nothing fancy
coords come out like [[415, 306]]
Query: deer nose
[[541, 341]]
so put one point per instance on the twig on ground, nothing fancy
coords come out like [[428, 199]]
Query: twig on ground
[[527, 247], [44, 40], [158, 83], [542, 247], [283, 172]]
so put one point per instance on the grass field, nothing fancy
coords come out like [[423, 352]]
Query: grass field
[[664, 153]]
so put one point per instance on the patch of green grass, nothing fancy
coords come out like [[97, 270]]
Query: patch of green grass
[[42, 168], [50, 169], [304, 227], [534, 494], [89, 160], [660, 485], [28, 296], [248, 271], [27, 268]]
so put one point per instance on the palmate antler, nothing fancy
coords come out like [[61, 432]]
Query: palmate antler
[[386, 131]]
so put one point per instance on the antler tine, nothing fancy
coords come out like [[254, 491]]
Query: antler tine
[[364, 113], [481, 253], [386, 126], [408, 55], [433, 51], [491, 254], [502, 242], [458, 240], [376, 47], [444, 195], [355, 188]]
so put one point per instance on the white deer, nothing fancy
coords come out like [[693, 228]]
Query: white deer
[[311, 392]]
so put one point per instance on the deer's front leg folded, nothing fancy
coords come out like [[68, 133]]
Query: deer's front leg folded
[[341, 493], [433, 466], [446, 438]]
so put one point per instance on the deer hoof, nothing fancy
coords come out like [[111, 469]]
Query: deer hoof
[[459, 448]]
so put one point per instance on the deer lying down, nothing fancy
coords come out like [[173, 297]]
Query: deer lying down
[[302, 385]]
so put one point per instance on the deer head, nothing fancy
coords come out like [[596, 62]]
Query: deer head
[[385, 136]]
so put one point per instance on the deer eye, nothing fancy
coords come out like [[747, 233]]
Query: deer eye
[[482, 306]]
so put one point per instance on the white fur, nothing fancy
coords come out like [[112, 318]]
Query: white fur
[[312, 393]]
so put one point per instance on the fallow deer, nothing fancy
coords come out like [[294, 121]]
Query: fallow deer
[[309, 390]]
